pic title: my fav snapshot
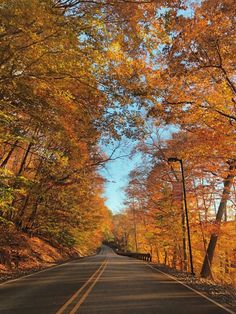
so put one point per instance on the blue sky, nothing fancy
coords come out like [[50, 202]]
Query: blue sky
[[116, 173], [117, 176]]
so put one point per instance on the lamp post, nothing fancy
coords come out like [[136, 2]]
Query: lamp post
[[135, 227], [175, 159]]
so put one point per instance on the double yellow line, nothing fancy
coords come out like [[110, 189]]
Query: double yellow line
[[93, 280]]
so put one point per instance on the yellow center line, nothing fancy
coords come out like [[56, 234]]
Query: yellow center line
[[77, 306], [75, 295]]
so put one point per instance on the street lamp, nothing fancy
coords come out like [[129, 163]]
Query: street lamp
[[135, 227], [175, 159]]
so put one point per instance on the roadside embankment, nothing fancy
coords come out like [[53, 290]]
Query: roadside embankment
[[21, 254]]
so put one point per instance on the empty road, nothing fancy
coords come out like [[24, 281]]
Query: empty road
[[105, 283]]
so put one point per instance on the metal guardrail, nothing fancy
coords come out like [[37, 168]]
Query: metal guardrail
[[143, 256]]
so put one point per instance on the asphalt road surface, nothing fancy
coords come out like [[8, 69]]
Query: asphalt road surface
[[105, 283]]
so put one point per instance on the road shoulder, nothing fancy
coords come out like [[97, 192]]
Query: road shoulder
[[223, 296]]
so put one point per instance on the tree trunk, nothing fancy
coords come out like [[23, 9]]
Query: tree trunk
[[33, 213], [10, 215], [174, 259], [165, 257], [22, 165], [228, 182], [6, 159], [21, 211], [19, 218], [158, 254]]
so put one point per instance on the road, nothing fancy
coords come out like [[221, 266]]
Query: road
[[105, 283]]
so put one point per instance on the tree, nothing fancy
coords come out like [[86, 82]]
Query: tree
[[196, 91]]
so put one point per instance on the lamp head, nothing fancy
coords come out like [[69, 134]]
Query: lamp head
[[173, 159]]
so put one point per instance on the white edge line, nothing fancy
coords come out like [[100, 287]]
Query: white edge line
[[183, 284], [34, 273]]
